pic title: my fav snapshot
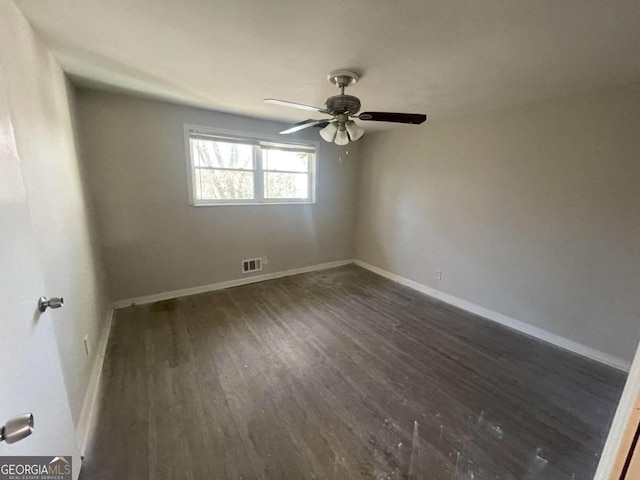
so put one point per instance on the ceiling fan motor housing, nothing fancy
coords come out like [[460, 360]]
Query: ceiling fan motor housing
[[346, 104]]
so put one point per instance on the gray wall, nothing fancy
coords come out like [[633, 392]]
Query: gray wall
[[67, 250], [533, 212], [154, 241]]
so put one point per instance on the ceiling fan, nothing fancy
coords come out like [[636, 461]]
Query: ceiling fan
[[342, 108]]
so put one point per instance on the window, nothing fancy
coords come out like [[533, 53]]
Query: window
[[226, 168]]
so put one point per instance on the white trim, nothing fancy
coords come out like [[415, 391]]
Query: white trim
[[526, 328], [83, 431], [257, 170], [523, 327], [620, 421], [157, 297], [244, 204]]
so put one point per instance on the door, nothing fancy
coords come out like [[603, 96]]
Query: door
[[30, 373]]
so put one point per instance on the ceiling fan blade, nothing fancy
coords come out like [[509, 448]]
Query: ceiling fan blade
[[414, 118], [305, 124], [284, 103]]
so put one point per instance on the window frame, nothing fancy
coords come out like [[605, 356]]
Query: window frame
[[258, 170]]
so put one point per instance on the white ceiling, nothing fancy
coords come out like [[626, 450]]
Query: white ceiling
[[422, 56]]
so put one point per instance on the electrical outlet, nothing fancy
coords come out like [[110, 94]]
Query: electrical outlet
[[265, 260], [86, 344], [438, 274]]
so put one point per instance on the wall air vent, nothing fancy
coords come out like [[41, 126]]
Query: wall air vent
[[251, 265]]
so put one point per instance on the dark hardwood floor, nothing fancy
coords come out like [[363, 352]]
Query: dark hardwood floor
[[340, 374]]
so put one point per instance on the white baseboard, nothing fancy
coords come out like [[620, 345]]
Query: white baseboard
[[91, 398], [158, 297], [544, 335], [526, 328]]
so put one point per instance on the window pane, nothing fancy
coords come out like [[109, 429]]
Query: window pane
[[211, 153], [223, 184], [285, 161], [286, 185]]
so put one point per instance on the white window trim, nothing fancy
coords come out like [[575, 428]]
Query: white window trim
[[313, 170]]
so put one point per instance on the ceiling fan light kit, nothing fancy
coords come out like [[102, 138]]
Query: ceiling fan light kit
[[328, 133], [354, 130], [342, 138], [340, 128]]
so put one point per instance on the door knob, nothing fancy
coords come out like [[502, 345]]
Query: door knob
[[17, 428], [53, 302]]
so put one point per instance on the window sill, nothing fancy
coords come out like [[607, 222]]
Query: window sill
[[248, 204]]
